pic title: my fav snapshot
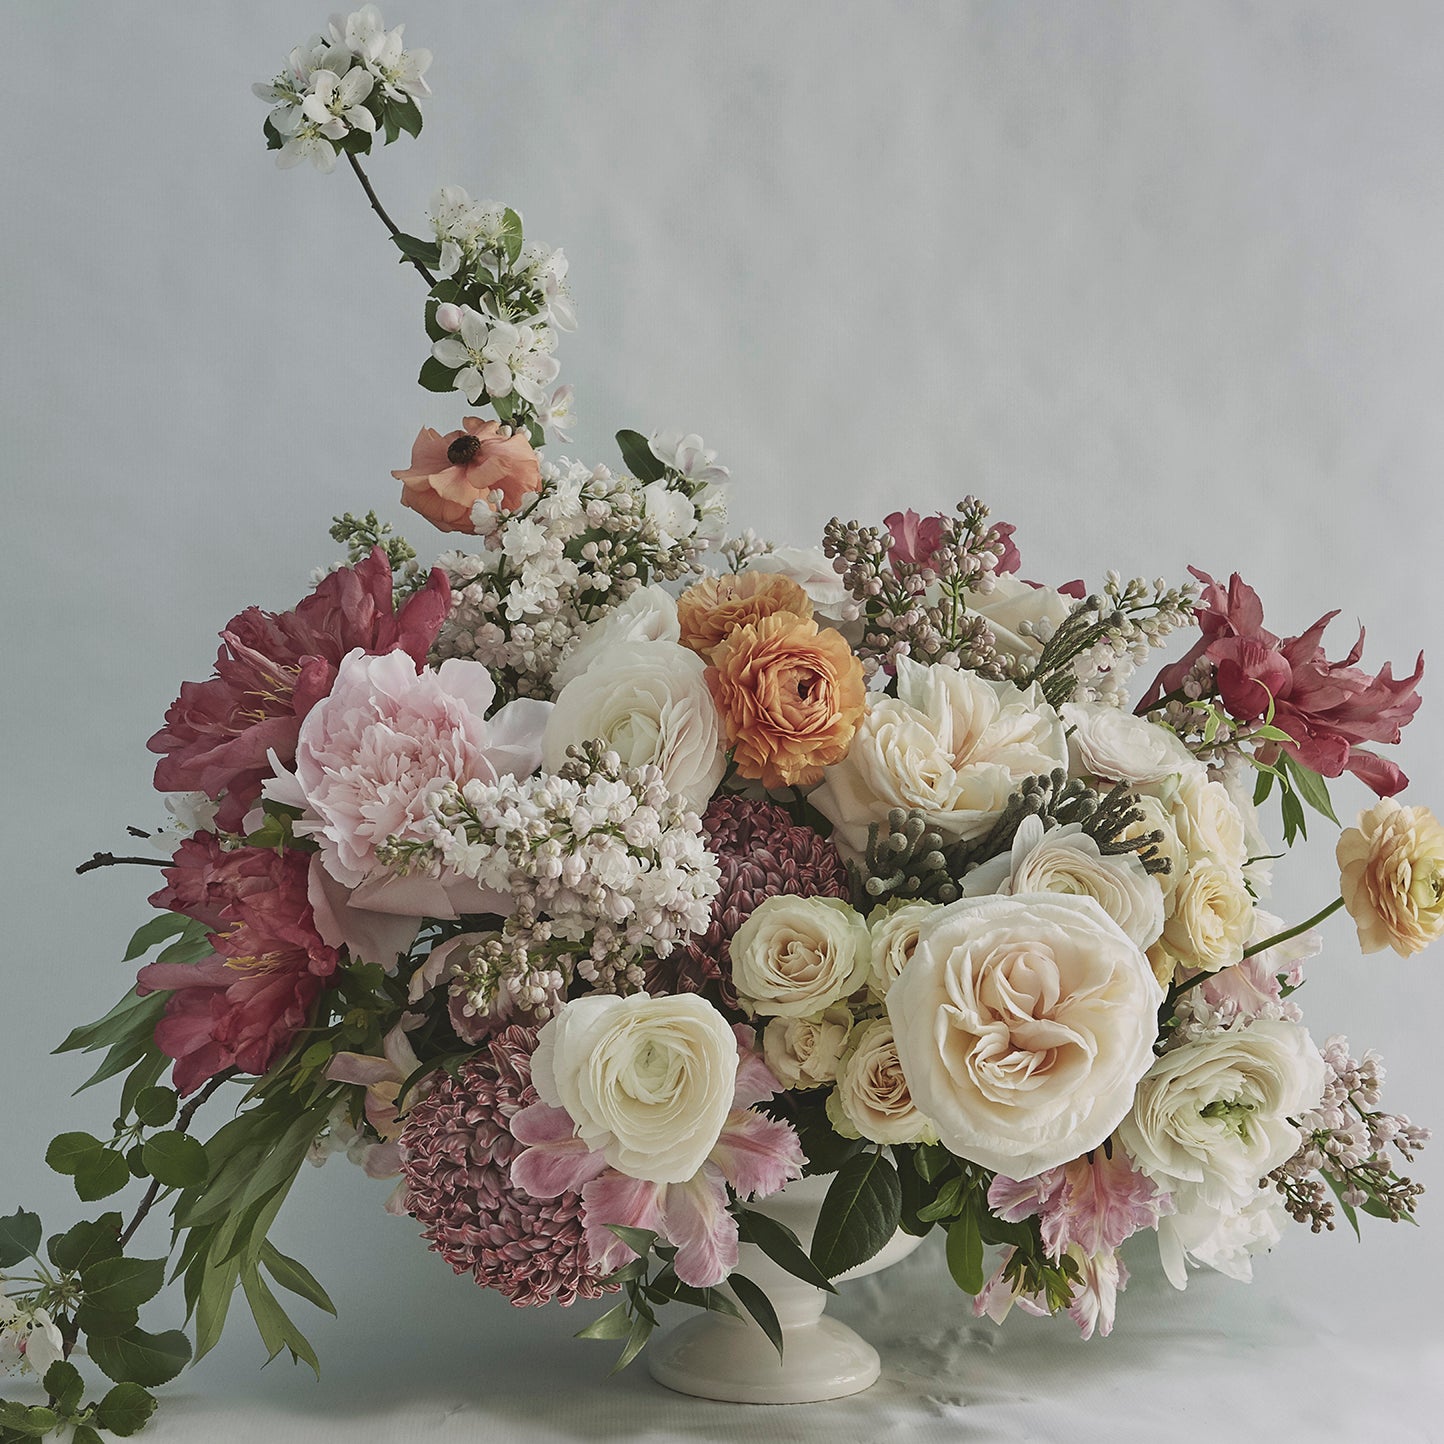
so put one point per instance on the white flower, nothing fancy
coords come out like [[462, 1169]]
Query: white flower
[[648, 615], [795, 956], [1115, 746], [1209, 825], [30, 1342], [334, 105], [365, 35], [950, 745], [464, 227], [556, 414], [810, 568], [647, 1081], [649, 702], [546, 270], [671, 511], [1067, 860], [871, 1099], [687, 454], [804, 1052], [1020, 617], [1211, 919], [1211, 1117], [481, 351], [1224, 1239], [894, 934], [1023, 1025]]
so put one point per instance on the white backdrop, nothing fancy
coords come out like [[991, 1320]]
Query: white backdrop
[[1160, 282]]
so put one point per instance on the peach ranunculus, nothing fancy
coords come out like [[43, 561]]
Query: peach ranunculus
[[449, 474], [1392, 877], [791, 698], [715, 607]]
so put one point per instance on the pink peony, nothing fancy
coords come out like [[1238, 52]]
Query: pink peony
[[243, 1008], [1327, 708], [272, 669]]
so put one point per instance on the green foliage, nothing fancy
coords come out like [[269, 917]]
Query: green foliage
[[154, 932], [436, 377], [65, 1386], [637, 456], [19, 1237], [176, 1160], [155, 1107], [759, 1306], [361, 536], [139, 1357], [413, 248], [100, 1174], [965, 1254], [125, 1410], [860, 1214], [85, 1243], [780, 1244]]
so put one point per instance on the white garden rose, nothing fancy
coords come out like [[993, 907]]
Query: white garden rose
[[894, 933], [1224, 1239], [649, 614], [1023, 1024], [1211, 919], [649, 702], [1115, 746], [1010, 605], [795, 956], [1067, 860], [951, 745], [810, 568], [804, 1052], [1212, 1116], [1209, 825], [1158, 818], [872, 1099], [647, 1081]]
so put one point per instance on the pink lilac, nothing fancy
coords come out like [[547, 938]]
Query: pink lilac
[[272, 668], [1327, 708], [754, 1155], [457, 1148], [761, 852]]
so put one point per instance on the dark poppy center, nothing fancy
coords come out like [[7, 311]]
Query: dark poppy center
[[463, 450]]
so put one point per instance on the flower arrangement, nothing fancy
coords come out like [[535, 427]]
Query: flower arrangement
[[613, 873]]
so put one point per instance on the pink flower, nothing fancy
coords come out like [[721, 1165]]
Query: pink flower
[[243, 1008], [272, 669], [383, 1079], [915, 539], [1093, 1305], [1327, 708]]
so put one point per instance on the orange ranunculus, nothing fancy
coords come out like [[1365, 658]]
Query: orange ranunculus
[[449, 474], [791, 698], [714, 608]]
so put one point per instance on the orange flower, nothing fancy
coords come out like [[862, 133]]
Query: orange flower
[[710, 610], [791, 698], [449, 474]]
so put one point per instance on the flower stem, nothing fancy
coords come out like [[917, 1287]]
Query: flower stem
[[109, 859], [385, 219], [1303, 927]]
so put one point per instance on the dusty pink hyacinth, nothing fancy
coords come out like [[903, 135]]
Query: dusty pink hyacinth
[[272, 668], [761, 853], [456, 1153]]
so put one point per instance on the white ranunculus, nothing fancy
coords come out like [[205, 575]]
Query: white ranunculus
[[647, 1081], [1023, 1024], [795, 956], [1211, 1117], [950, 745], [872, 1099], [894, 933], [1067, 860], [1211, 919], [1224, 1239], [1012, 603], [649, 702], [1115, 746], [810, 568], [804, 1052], [649, 614]]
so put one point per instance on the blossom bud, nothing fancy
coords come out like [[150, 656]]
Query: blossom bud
[[448, 316]]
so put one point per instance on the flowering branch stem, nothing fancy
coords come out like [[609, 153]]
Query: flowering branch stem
[[108, 859], [1303, 927], [385, 219]]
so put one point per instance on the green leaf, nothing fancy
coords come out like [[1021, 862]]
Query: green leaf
[[155, 1107], [1293, 815], [213, 1301], [781, 1245], [123, 1283], [408, 116], [192, 945], [27, 1423], [436, 377], [1312, 788], [413, 248], [84, 1243], [19, 1238], [638, 458], [132, 1018], [64, 1384], [931, 1160], [69, 1151], [145, 1075], [639, 1240], [1348, 1210], [511, 237], [142, 1358], [616, 1323], [276, 1328], [859, 1215], [105, 1323], [101, 1174], [125, 1410], [157, 930], [635, 1269], [295, 1277], [759, 1306], [641, 1331], [965, 1254], [1263, 786], [84, 1434], [946, 1204], [177, 1160]]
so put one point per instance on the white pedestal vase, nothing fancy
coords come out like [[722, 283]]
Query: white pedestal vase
[[714, 1356]]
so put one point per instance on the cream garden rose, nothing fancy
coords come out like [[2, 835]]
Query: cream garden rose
[[648, 1081], [951, 745], [872, 1099], [1115, 746], [1016, 613], [894, 933], [1391, 870], [649, 702], [805, 1052], [1023, 1024], [649, 614], [795, 956], [1212, 918]]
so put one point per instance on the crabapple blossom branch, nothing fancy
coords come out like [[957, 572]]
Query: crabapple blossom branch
[[109, 859], [381, 211]]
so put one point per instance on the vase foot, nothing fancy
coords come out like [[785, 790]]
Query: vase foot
[[715, 1357]]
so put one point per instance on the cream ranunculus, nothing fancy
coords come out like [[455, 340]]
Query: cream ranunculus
[[1115, 746], [649, 702], [1222, 1239], [1391, 870], [796, 956], [1067, 860], [1209, 825], [950, 745], [648, 615], [1010, 606], [1023, 1024], [872, 1099], [1212, 918], [804, 1052], [894, 933], [1211, 1117], [647, 1081]]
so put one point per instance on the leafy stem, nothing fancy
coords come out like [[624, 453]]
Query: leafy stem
[[385, 219], [1293, 932]]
